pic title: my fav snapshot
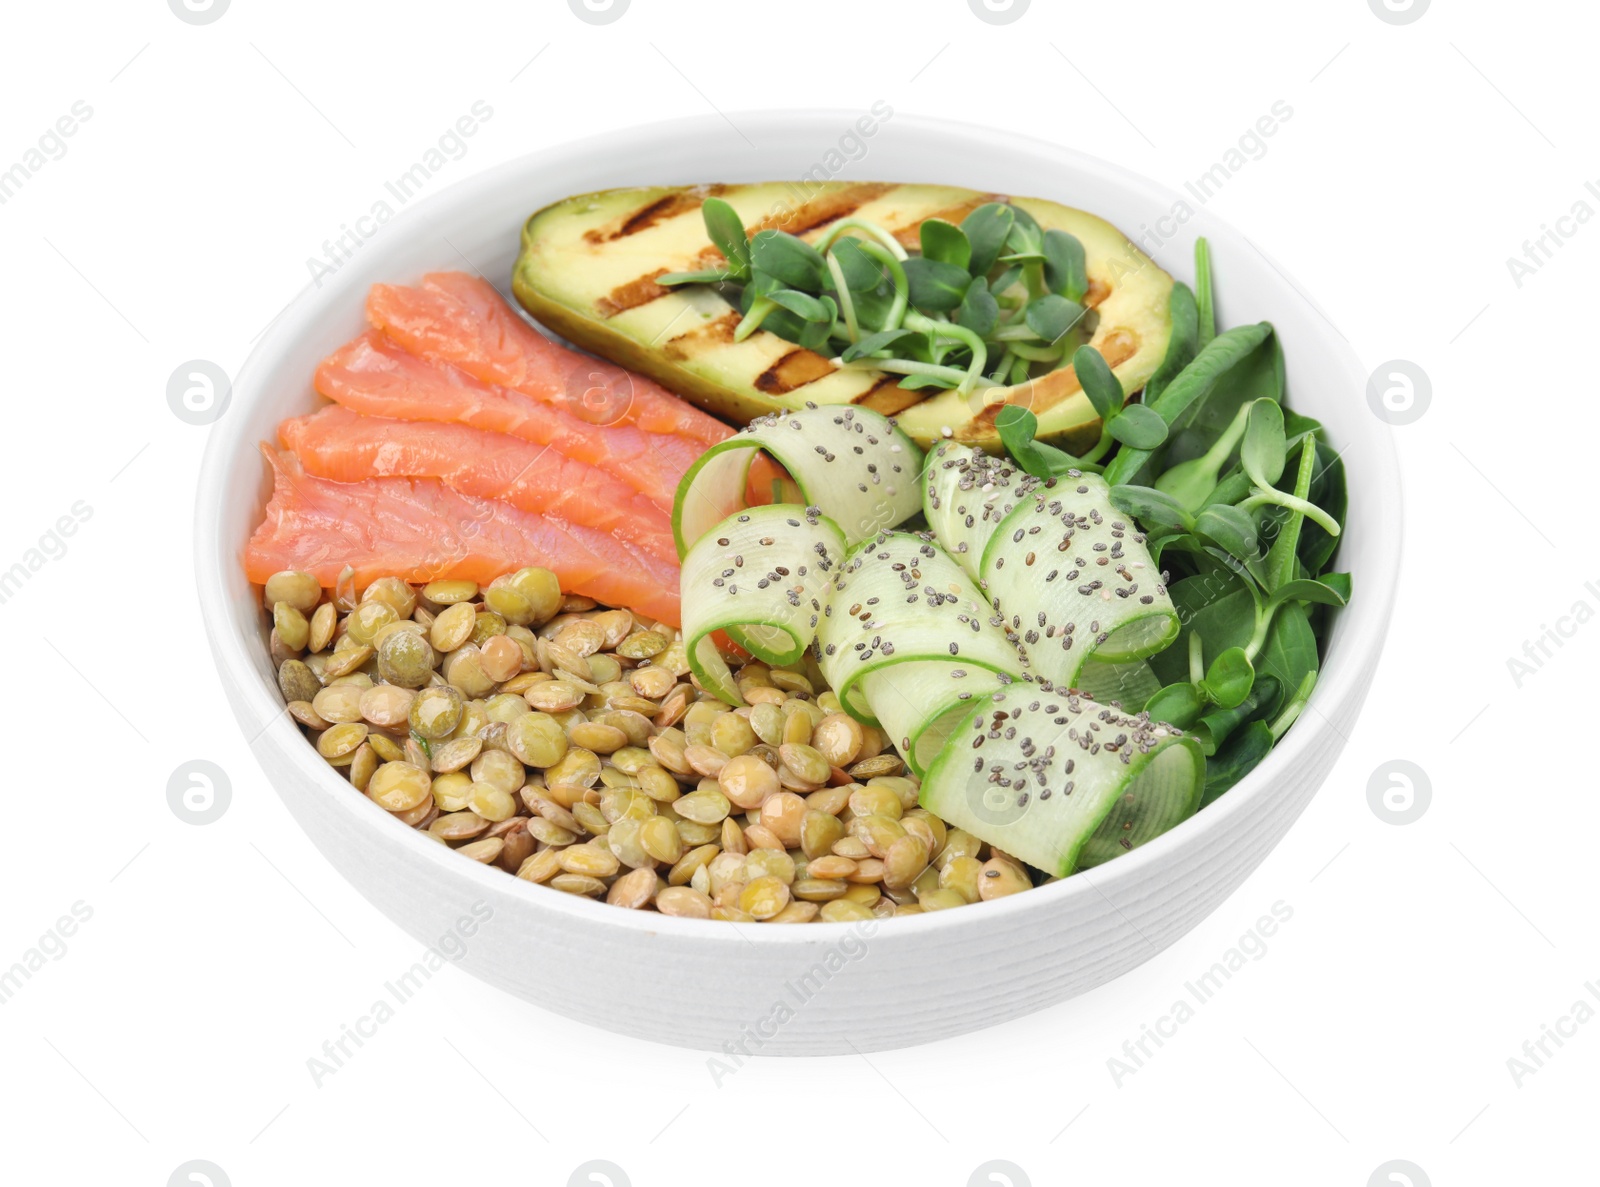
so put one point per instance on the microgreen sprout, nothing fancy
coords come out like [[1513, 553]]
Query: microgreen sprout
[[994, 302]]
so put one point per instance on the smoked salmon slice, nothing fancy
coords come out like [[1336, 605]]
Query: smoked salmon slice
[[375, 376], [338, 444], [461, 319], [421, 529]]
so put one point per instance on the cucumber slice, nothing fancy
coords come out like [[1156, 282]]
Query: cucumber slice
[[907, 642], [965, 495], [1123, 686], [1060, 781], [1072, 578], [763, 576], [852, 463]]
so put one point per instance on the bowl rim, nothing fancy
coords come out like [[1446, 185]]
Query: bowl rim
[[1343, 677]]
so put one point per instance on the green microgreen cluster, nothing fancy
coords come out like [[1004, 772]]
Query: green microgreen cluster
[[993, 302], [1242, 503]]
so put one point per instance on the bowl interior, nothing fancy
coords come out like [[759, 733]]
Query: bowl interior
[[475, 225]]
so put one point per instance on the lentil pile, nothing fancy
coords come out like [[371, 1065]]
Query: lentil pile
[[568, 744]]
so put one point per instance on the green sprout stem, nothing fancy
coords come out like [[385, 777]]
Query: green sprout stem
[[1101, 448], [1197, 665], [882, 236], [1038, 354], [951, 332], [897, 275], [1192, 482], [1261, 496], [751, 322], [955, 376], [847, 304], [1294, 708]]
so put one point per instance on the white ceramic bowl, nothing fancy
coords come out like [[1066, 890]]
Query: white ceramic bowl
[[820, 988]]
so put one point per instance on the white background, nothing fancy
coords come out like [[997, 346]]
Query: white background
[[177, 224]]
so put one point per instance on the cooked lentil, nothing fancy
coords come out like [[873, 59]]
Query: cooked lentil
[[567, 744]]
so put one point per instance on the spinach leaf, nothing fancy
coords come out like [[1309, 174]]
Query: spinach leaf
[[1204, 302], [1329, 492], [1192, 387], [1181, 347], [1241, 756], [1290, 652]]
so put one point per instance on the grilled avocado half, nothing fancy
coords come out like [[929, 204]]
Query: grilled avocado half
[[588, 265]]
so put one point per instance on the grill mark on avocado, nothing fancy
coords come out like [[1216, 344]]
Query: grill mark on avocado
[[888, 397], [665, 207], [910, 236], [631, 295], [1047, 391], [826, 207], [795, 369], [702, 338]]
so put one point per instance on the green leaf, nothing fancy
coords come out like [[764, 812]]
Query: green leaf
[[1025, 237], [1257, 375], [817, 331], [1138, 426], [1212, 730], [1229, 678], [1232, 528], [709, 276], [1191, 388], [872, 343], [1176, 704], [935, 287], [788, 259], [861, 272], [1328, 491], [1005, 280], [979, 311], [1331, 590], [1282, 559], [1064, 268], [1181, 346], [1238, 759], [1017, 426], [1051, 316], [1099, 383], [946, 243], [986, 229], [1150, 506], [1290, 652], [1216, 604], [1262, 453], [1205, 303], [913, 383], [725, 229], [804, 305]]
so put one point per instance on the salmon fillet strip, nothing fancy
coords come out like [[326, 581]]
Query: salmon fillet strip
[[461, 319], [338, 444], [376, 376], [420, 529]]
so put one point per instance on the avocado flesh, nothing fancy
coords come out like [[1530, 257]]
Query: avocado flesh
[[586, 272]]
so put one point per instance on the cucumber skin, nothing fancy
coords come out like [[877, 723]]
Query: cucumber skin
[[937, 791]]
